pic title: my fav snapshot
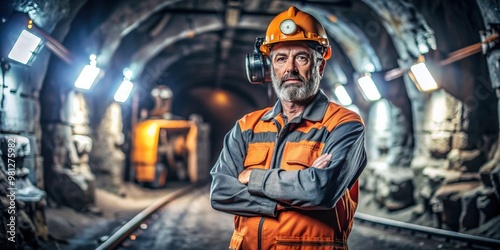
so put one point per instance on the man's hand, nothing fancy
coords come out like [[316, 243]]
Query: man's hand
[[279, 207], [244, 176], [322, 161]]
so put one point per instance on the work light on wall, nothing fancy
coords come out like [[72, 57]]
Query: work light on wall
[[420, 75], [125, 88], [88, 75], [368, 88], [342, 95], [22, 43]]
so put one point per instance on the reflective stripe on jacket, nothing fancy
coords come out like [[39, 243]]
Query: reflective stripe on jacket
[[320, 202]]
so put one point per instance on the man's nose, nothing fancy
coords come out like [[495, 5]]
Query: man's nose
[[290, 66]]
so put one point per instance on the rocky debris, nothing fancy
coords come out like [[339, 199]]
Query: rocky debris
[[68, 168], [392, 186], [439, 144], [490, 175], [447, 203], [21, 203], [466, 160], [479, 205]]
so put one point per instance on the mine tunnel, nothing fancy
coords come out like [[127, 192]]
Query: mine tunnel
[[107, 106]]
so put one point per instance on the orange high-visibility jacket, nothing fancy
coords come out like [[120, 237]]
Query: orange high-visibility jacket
[[320, 203]]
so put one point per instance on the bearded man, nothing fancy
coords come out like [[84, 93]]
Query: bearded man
[[289, 173]]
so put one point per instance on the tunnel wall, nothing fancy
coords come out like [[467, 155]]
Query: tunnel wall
[[455, 129]]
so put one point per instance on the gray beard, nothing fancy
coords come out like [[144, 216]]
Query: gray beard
[[296, 92]]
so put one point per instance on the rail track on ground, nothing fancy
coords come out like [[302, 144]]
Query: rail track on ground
[[113, 241], [447, 236], [471, 241]]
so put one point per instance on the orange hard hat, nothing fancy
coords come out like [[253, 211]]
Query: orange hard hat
[[295, 25]]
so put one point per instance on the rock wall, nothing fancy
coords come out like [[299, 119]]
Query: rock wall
[[453, 172], [107, 158], [20, 112]]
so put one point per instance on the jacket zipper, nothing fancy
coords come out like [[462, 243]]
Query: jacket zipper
[[279, 137], [262, 219], [278, 129], [259, 235]]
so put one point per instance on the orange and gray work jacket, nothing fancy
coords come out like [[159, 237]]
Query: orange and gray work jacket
[[320, 203]]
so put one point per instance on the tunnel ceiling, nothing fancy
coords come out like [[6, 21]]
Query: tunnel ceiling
[[193, 44], [202, 44]]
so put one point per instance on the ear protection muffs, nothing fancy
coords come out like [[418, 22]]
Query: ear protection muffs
[[258, 65]]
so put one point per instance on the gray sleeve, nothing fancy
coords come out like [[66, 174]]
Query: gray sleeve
[[312, 188], [227, 193]]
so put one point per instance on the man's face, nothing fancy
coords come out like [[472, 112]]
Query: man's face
[[295, 71]]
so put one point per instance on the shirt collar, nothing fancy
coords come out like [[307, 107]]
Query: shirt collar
[[314, 111]]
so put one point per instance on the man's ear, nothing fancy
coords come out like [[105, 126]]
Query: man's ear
[[322, 67]]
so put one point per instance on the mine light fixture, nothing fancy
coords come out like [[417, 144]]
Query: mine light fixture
[[24, 40], [25, 48], [368, 88], [88, 75], [342, 95], [421, 76], [125, 88], [490, 39]]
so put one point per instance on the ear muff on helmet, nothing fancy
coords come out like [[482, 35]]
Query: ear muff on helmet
[[258, 65]]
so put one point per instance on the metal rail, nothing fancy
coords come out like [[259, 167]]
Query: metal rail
[[121, 234], [429, 231]]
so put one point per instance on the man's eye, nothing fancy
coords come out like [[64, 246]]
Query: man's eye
[[302, 58], [280, 59]]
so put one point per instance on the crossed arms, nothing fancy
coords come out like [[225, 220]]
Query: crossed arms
[[264, 192]]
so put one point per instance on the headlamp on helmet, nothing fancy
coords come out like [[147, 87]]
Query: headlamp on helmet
[[288, 27]]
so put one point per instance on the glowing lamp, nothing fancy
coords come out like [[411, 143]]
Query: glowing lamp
[[21, 39], [125, 88], [342, 95], [25, 48], [422, 77], [88, 75], [124, 91], [368, 88]]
